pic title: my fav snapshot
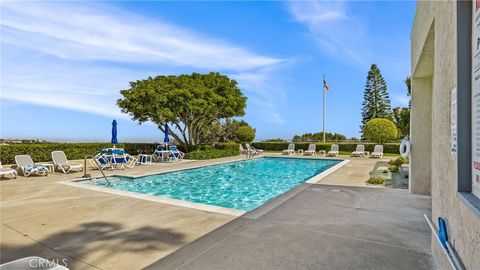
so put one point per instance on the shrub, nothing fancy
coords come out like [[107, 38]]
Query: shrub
[[388, 148], [227, 146], [245, 134], [399, 161], [213, 153], [393, 168], [380, 130], [218, 150], [376, 180], [274, 140]]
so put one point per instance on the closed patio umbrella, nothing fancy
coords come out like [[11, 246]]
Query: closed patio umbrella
[[114, 133], [166, 139]]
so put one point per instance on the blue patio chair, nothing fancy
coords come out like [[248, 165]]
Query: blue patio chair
[[122, 159], [158, 153], [175, 154], [103, 160]]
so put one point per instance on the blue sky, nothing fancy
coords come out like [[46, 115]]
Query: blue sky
[[63, 64]]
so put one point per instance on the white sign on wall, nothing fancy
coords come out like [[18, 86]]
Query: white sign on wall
[[476, 98], [453, 124]]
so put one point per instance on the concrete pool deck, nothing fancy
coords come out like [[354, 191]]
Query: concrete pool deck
[[320, 227], [105, 231]]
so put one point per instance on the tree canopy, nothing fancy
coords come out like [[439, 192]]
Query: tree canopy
[[222, 130], [401, 116], [380, 130], [245, 134], [189, 103], [312, 137], [376, 101]]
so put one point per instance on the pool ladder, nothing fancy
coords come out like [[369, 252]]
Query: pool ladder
[[85, 175]]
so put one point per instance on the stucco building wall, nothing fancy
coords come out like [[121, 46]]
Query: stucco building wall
[[433, 59]]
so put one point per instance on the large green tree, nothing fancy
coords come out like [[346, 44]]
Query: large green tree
[[222, 130], [408, 84], [188, 103], [401, 116], [376, 101]]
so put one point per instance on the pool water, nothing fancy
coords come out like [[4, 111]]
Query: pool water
[[242, 185]]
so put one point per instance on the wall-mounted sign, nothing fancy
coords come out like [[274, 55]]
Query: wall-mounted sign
[[476, 98], [453, 123]]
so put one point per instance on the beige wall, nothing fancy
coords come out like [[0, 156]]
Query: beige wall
[[421, 136], [433, 61]]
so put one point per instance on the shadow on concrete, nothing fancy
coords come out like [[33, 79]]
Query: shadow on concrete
[[318, 227], [108, 239]]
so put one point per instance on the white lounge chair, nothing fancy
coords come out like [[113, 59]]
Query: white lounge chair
[[28, 167], [60, 161], [7, 171], [359, 151], [290, 149], [333, 151], [312, 149], [377, 151], [253, 149]]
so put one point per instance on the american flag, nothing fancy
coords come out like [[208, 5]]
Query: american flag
[[325, 85]]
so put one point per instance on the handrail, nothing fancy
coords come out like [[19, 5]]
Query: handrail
[[449, 252], [96, 164]]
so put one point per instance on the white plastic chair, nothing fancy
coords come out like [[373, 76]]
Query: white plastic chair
[[312, 149], [290, 150], [60, 161], [333, 151]]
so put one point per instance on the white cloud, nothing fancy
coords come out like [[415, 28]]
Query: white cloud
[[315, 12], [338, 33], [81, 32], [264, 92], [79, 55], [401, 100]]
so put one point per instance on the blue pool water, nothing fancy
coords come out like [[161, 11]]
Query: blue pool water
[[242, 185]]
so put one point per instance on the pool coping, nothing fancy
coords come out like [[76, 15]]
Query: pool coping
[[194, 205]]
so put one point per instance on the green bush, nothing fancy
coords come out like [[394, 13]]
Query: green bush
[[399, 161], [245, 134], [274, 140], [388, 148], [380, 130], [227, 146], [213, 153], [376, 180], [218, 150], [393, 168]]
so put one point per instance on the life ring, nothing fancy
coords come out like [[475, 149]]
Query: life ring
[[405, 147]]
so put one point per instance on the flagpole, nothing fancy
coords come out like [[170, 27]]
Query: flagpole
[[323, 90]]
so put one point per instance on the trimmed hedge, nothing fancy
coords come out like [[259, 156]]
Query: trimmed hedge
[[391, 148], [213, 153], [218, 150], [41, 152]]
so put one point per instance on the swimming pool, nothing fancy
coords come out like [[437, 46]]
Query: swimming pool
[[242, 185]]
